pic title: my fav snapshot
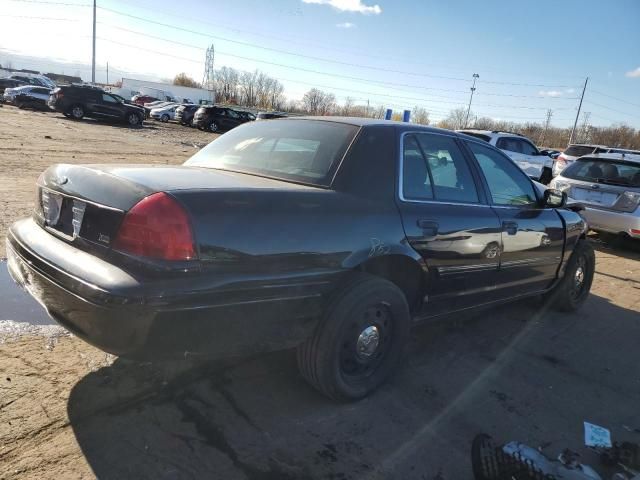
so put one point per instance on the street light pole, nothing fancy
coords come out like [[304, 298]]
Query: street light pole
[[473, 89], [93, 57]]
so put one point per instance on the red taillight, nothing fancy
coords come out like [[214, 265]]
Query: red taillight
[[156, 227]]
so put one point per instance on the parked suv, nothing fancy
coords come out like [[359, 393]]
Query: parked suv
[[521, 150], [214, 118], [185, 114], [78, 101]]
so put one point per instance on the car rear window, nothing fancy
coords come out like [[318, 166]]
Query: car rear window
[[604, 171], [307, 151], [579, 150]]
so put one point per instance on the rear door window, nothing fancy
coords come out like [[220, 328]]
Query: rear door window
[[435, 168], [508, 143]]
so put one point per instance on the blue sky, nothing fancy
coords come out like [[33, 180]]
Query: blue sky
[[531, 56]]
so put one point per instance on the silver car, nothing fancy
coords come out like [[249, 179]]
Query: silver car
[[608, 185]]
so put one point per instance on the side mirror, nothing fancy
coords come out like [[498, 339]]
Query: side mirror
[[553, 198]]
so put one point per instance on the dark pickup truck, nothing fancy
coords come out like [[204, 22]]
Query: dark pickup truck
[[332, 235]]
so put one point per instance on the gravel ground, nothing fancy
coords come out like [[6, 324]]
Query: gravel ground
[[518, 372]]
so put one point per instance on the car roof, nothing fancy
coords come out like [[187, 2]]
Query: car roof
[[491, 132], [615, 157], [365, 122]]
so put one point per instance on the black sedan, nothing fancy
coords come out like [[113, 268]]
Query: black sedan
[[331, 235]]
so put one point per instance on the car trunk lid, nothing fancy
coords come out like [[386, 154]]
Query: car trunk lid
[[89, 201]]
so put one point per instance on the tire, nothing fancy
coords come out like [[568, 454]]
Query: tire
[[164, 118], [492, 250], [213, 127], [359, 341], [134, 120], [76, 112], [573, 289]]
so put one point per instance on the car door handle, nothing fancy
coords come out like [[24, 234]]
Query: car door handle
[[510, 227], [429, 227]]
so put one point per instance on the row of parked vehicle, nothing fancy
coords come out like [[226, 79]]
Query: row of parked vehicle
[[211, 118]]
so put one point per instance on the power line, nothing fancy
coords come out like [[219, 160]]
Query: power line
[[298, 54], [135, 32], [351, 64], [456, 102], [323, 45], [616, 98], [612, 109]]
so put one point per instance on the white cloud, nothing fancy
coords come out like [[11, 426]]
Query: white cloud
[[550, 93], [349, 6], [633, 73], [345, 25]]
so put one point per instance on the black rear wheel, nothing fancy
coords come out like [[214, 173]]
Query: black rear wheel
[[359, 341], [213, 127], [76, 112]]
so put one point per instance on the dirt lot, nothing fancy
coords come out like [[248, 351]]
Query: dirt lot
[[519, 372], [32, 141]]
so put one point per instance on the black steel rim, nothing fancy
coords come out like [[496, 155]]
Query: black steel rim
[[579, 278], [354, 366]]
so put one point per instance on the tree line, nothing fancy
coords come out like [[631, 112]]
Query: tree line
[[258, 90]]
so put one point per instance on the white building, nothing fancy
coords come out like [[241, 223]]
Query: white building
[[163, 91]]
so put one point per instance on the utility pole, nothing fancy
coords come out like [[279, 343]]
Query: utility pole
[[546, 125], [367, 115], [575, 124], [93, 57], [473, 89], [107, 73]]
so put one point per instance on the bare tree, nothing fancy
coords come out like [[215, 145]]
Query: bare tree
[[226, 84], [420, 115], [347, 107], [455, 120], [248, 86], [318, 102]]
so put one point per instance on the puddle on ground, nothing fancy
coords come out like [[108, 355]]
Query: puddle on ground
[[18, 305]]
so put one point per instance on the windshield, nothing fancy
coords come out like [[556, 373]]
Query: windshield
[[306, 151], [604, 171]]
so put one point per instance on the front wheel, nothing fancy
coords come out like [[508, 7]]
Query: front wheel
[[133, 119], [573, 289], [164, 118], [213, 127], [360, 340]]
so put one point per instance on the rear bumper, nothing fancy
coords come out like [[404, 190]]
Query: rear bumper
[[160, 317], [612, 222]]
